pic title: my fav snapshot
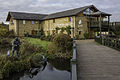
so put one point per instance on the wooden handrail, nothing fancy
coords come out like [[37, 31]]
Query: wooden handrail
[[113, 43]]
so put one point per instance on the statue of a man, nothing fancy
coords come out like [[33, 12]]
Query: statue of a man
[[16, 46]]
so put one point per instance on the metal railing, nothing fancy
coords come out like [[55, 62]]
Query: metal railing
[[73, 63], [103, 23], [115, 24], [110, 42]]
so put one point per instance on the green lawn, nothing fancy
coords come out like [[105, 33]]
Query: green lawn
[[35, 41]]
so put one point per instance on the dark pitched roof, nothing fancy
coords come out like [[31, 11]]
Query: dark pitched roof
[[69, 12], [25, 16], [33, 16]]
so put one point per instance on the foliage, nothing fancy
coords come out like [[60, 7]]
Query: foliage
[[86, 35], [4, 32], [38, 42], [68, 30], [116, 30], [36, 59], [62, 29], [63, 43], [51, 48], [1, 76], [5, 42], [30, 55], [57, 28], [10, 34]]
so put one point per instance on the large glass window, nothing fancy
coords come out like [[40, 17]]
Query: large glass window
[[69, 19], [88, 11], [32, 22], [23, 21]]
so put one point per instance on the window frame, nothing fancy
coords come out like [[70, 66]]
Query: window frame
[[70, 19], [33, 22], [24, 22], [53, 20], [12, 22]]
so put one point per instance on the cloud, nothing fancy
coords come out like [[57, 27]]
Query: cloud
[[51, 6]]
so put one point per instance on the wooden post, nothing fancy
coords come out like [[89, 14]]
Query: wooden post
[[108, 25], [89, 29], [100, 25]]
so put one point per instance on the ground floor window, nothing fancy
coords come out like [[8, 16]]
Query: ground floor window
[[79, 32], [34, 32]]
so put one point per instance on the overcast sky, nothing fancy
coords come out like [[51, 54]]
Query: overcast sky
[[51, 6]]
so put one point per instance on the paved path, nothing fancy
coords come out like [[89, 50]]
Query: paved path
[[97, 62]]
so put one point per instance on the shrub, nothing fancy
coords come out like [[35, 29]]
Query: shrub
[[3, 31], [68, 30], [27, 48], [7, 68], [5, 43], [10, 34], [36, 59], [57, 29], [63, 42], [1, 76], [51, 48], [62, 29], [86, 35]]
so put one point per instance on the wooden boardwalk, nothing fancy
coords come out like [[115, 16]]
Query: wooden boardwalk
[[97, 62]]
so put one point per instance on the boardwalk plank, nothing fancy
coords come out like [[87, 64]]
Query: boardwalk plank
[[97, 62]]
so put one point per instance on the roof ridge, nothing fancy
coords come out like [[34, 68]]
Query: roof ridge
[[71, 9], [27, 13]]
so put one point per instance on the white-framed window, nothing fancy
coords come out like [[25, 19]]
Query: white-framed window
[[23, 21], [80, 22], [32, 22], [12, 22], [88, 11], [69, 19]]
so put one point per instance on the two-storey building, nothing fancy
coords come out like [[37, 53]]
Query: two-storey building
[[87, 19]]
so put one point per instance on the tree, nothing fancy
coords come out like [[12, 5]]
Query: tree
[[57, 28], [62, 29], [68, 30], [116, 30]]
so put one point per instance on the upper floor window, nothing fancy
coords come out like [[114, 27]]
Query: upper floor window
[[12, 22], [23, 21], [79, 32], [88, 11], [53, 20], [69, 19], [32, 22]]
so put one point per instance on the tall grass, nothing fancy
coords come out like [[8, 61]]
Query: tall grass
[[38, 42]]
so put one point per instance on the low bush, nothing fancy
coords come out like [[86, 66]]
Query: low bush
[[5, 43], [51, 48], [86, 35], [63, 43], [1, 76], [36, 60]]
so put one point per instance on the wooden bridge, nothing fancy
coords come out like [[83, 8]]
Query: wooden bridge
[[97, 62]]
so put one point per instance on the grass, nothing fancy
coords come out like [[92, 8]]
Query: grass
[[38, 42]]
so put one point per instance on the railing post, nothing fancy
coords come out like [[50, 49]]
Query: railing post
[[73, 63]]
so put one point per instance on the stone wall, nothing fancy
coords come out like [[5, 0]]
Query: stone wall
[[50, 25], [20, 28], [80, 24]]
